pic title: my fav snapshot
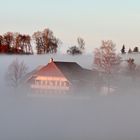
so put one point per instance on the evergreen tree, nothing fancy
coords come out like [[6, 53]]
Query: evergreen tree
[[136, 49], [129, 51], [123, 49]]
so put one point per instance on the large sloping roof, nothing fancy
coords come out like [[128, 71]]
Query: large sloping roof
[[29, 76], [70, 70], [50, 70]]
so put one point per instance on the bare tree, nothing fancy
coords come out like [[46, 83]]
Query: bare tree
[[46, 42], [23, 43], [81, 43], [131, 68], [15, 43], [74, 50], [131, 65], [7, 40], [106, 59], [28, 46], [123, 50], [16, 71], [37, 36]]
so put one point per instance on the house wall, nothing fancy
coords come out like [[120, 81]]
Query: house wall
[[51, 83]]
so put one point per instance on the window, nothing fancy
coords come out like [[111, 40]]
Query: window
[[38, 82], [43, 82], [58, 83], [53, 83], [47, 83], [62, 84]]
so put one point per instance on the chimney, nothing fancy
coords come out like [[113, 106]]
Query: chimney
[[51, 60]]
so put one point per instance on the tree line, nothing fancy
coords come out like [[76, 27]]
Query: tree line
[[45, 42], [15, 43], [134, 50]]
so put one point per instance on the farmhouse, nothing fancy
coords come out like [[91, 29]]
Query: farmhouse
[[60, 77]]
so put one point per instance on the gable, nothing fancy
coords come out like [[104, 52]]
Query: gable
[[49, 70], [67, 71]]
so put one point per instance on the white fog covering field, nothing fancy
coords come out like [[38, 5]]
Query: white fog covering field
[[62, 117]]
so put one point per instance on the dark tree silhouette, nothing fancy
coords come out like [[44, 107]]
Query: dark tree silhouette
[[74, 50], [131, 65], [23, 44], [15, 43], [46, 42], [123, 49], [81, 43], [8, 40], [37, 36], [136, 49], [131, 69], [51, 43], [129, 51]]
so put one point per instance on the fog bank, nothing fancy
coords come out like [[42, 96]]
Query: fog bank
[[24, 116]]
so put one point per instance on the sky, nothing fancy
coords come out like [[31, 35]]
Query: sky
[[93, 20]]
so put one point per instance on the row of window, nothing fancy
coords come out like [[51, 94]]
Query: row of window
[[52, 83]]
